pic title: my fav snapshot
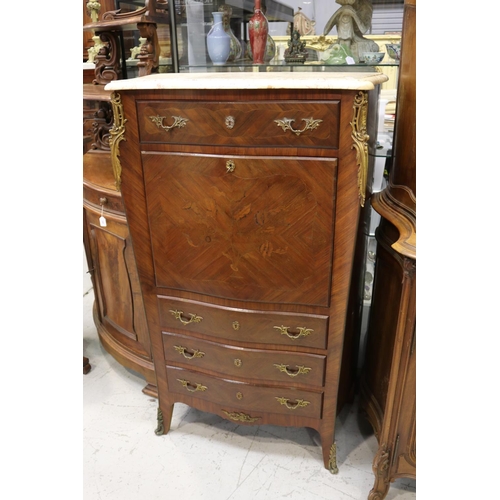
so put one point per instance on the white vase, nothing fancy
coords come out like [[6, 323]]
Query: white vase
[[218, 41]]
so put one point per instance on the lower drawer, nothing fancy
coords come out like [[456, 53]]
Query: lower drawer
[[251, 398], [277, 366]]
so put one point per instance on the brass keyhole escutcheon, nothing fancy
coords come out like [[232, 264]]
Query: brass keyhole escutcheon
[[237, 362], [230, 166], [236, 325], [229, 122], [239, 395]]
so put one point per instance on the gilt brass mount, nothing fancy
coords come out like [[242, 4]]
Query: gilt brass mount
[[240, 417], [301, 369], [332, 461], [160, 429], [187, 354], [230, 166], [192, 387], [286, 124], [302, 331], [116, 136], [178, 315], [298, 403], [360, 138], [179, 122]]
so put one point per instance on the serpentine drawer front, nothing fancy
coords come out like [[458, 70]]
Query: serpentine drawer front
[[276, 366], [243, 202], [241, 325], [251, 398], [287, 124]]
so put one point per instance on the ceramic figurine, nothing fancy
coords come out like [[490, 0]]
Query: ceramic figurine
[[93, 51], [93, 8], [135, 51], [303, 24], [337, 55], [352, 21]]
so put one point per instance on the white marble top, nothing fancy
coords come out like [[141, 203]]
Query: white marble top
[[278, 80]]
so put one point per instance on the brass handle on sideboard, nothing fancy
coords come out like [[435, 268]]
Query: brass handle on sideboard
[[298, 403], [192, 387], [178, 315], [301, 369], [302, 331], [187, 353], [286, 124], [179, 122]]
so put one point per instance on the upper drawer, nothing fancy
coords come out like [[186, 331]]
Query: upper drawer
[[286, 124], [243, 325]]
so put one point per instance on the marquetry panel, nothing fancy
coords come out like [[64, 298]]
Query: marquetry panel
[[248, 228]]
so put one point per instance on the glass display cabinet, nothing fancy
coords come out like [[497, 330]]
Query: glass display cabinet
[[192, 21], [183, 25]]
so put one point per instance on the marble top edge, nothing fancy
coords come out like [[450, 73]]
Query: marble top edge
[[223, 81]]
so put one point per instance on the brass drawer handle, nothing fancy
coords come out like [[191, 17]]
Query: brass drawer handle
[[301, 369], [286, 124], [302, 331], [240, 417], [178, 315], [192, 387], [179, 122], [299, 403], [187, 353]]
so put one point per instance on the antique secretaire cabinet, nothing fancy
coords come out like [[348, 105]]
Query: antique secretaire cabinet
[[242, 194]]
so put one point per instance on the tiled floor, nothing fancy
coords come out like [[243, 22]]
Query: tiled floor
[[204, 457]]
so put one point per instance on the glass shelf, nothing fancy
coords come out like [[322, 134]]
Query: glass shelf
[[380, 152], [247, 66]]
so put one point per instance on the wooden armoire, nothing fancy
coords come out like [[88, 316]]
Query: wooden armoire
[[388, 384]]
